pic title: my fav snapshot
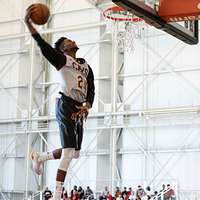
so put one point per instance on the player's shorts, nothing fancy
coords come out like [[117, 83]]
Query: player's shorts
[[71, 131]]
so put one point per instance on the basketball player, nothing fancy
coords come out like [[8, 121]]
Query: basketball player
[[77, 95]]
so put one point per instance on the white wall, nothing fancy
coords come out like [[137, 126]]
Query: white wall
[[169, 148]]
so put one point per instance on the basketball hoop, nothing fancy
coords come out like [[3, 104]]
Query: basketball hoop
[[125, 26]]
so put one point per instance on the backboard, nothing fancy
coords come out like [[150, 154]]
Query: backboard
[[186, 31]]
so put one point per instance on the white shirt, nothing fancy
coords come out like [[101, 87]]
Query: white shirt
[[73, 79]]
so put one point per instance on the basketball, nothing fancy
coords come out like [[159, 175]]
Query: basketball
[[41, 15]]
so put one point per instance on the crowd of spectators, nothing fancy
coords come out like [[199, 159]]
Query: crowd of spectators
[[166, 193], [140, 193], [77, 193]]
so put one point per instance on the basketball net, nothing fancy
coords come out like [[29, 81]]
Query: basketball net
[[125, 26]]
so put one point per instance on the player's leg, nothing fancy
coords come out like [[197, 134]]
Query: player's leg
[[39, 158], [67, 156], [64, 109], [79, 140]]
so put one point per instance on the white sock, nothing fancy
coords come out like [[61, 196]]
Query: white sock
[[45, 156], [58, 190]]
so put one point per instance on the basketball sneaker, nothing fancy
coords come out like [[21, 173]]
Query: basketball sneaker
[[36, 164]]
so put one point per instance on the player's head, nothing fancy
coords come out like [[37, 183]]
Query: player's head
[[65, 45]]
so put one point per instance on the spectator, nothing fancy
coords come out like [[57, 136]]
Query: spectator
[[109, 196], [148, 192], [119, 197], [124, 193], [131, 196], [74, 190], [117, 192], [47, 194], [75, 195], [162, 192], [81, 192], [155, 195], [163, 188], [140, 193], [89, 193], [106, 192], [169, 194], [100, 197], [65, 195], [63, 189], [126, 197], [129, 191]]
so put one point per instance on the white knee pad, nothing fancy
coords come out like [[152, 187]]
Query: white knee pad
[[67, 156], [76, 154]]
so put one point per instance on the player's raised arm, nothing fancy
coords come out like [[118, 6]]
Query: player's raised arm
[[57, 59]]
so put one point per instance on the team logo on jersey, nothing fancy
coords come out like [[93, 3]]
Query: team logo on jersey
[[80, 68]]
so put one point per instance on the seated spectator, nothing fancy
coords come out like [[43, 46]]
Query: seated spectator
[[131, 196], [81, 192], [47, 194], [117, 192], [169, 194], [126, 197], [63, 189], [140, 193], [106, 192], [155, 195], [109, 196], [124, 193], [104, 195], [74, 190], [148, 192], [129, 191], [119, 197], [100, 197], [163, 188], [89, 193], [65, 195], [75, 195], [162, 192]]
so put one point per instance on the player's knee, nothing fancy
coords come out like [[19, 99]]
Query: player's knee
[[67, 156], [76, 154], [68, 153]]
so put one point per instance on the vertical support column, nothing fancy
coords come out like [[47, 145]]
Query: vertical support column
[[113, 135], [31, 80], [104, 88], [145, 106], [30, 102], [44, 110]]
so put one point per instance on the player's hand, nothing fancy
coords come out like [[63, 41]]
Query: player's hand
[[29, 11], [83, 112]]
